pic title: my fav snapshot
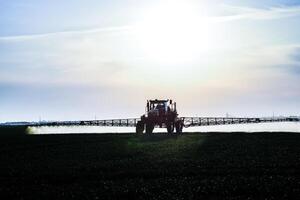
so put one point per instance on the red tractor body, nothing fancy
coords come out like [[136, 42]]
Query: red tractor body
[[160, 113]]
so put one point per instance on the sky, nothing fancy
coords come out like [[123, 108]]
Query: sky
[[71, 60]]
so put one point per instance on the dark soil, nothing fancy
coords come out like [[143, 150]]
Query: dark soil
[[158, 166]]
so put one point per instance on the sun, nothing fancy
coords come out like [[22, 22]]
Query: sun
[[174, 31]]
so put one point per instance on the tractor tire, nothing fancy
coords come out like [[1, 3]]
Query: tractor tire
[[170, 128], [140, 127], [149, 128], [179, 126]]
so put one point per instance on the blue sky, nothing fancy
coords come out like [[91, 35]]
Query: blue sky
[[77, 59]]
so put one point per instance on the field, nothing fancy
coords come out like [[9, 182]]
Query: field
[[157, 166]]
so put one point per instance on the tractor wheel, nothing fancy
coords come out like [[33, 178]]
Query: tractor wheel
[[149, 128], [170, 127], [139, 127], [178, 127]]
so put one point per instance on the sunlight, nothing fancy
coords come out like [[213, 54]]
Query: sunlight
[[174, 32]]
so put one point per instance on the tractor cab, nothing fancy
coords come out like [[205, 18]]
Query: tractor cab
[[160, 107]]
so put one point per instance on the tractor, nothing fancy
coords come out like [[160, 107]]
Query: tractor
[[160, 113]]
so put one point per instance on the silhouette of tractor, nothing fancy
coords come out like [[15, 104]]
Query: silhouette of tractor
[[160, 113]]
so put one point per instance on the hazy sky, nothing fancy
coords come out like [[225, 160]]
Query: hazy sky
[[76, 59]]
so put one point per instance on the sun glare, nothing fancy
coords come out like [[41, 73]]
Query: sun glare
[[174, 32]]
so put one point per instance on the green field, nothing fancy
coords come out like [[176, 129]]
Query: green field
[[157, 166]]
